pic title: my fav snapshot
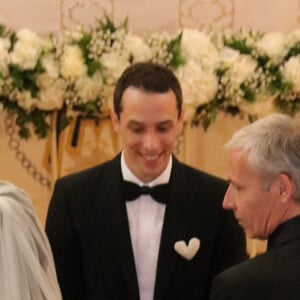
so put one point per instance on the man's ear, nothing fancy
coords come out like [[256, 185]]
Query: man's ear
[[115, 120], [285, 187]]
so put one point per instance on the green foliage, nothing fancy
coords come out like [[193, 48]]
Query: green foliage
[[92, 65], [2, 30], [239, 45], [37, 117], [89, 109], [174, 47], [249, 94], [26, 79], [295, 50]]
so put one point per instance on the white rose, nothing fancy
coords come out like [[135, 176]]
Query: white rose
[[243, 69], [4, 46], [52, 91], [228, 57], [293, 38], [72, 63], [197, 46], [89, 88], [291, 72], [51, 65], [136, 47], [115, 63], [76, 33], [272, 44], [198, 86], [27, 49], [25, 100]]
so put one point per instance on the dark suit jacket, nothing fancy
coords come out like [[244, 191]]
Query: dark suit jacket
[[274, 275], [89, 233]]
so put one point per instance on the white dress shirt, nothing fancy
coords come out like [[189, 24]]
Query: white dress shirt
[[145, 216]]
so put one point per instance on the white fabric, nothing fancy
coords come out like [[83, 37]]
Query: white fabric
[[26, 264], [145, 216]]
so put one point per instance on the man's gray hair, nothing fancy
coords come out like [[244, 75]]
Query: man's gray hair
[[272, 146]]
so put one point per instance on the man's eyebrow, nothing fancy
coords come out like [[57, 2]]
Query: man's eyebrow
[[166, 122], [134, 123], [137, 123]]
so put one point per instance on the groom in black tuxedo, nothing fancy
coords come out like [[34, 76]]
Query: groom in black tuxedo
[[143, 225]]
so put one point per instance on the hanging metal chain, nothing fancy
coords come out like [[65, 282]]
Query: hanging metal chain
[[26, 163]]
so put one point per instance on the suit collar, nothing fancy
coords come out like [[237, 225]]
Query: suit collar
[[285, 232], [172, 231], [116, 222]]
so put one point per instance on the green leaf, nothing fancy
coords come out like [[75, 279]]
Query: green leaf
[[107, 25], [63, 120], [293, 51], [26, 79], [288, 107], [278, 84], [13, 40], [249, 94], [84, 42], [239, 45], [174, 47], [2, 30], [92, 66], [89, 109], [23, 118]]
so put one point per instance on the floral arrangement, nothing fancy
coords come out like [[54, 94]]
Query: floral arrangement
[[74, 73]]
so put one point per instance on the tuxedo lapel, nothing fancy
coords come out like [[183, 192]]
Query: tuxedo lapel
[[172, 232], [116, 222]]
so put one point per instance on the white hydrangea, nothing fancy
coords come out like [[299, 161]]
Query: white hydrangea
[[158, 44], [293, 38], [72, 63], [89, 88], [198, 86], [291, 72], [273, 45], [4, 57], [114, 63], [52, 91], [51, 65], [24, 99], [75, 33], [27, 49], [137, 48], [197, 45], [240, 66]]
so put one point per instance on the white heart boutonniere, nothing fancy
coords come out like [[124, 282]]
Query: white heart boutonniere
[[187, 251]]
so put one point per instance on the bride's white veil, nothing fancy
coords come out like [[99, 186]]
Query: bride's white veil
[[26, 264]]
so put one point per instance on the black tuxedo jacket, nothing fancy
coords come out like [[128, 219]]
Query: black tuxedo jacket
[[274, 275], [89, 234]]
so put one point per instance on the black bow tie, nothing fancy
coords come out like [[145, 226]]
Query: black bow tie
[[131, 191]]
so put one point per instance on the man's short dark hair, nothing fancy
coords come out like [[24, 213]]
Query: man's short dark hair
[[149, 77]]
